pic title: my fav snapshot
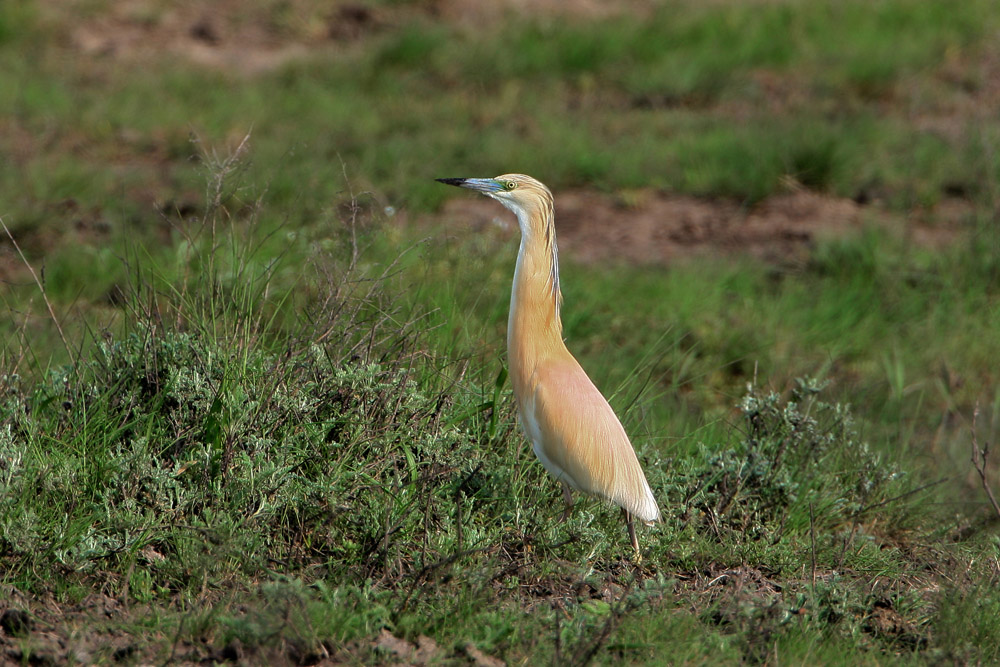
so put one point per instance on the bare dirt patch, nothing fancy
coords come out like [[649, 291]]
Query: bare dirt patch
[[650, 227], [657, 228], [227, 35], [217, 35], [250, 39]]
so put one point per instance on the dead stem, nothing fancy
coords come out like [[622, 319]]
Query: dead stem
[[979, 458]]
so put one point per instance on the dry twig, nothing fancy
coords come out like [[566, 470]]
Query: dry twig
[[979, 458]]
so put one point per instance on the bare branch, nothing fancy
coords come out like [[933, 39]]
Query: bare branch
[[979, 458]]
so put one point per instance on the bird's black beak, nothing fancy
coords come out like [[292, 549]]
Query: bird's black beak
[[487, 186]]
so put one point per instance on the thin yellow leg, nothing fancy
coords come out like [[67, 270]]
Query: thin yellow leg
[[631, 534], [568, 495]]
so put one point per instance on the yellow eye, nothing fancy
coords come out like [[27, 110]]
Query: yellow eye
[[510, 185]]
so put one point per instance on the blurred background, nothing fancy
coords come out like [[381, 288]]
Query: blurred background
[[747, 192]]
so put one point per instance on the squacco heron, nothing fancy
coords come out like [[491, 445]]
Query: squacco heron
[[572, 428]]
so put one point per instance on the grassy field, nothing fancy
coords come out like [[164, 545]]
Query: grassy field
[[253, 405]]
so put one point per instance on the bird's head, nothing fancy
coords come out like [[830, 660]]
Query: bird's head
[[521, 194]]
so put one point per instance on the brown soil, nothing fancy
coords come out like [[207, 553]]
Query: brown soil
[[249, 39], [652, 227]]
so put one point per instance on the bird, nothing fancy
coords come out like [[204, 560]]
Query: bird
[[572, 428]]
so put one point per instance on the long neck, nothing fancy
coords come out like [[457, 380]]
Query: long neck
[[534, 329]]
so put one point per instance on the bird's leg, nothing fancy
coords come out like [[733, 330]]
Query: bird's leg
[[569, 502], [631, 534]]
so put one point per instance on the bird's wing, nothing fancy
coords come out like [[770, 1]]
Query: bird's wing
[[582, 436]]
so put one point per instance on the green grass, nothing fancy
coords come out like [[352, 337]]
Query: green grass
[[284, 467], [275, 425]]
